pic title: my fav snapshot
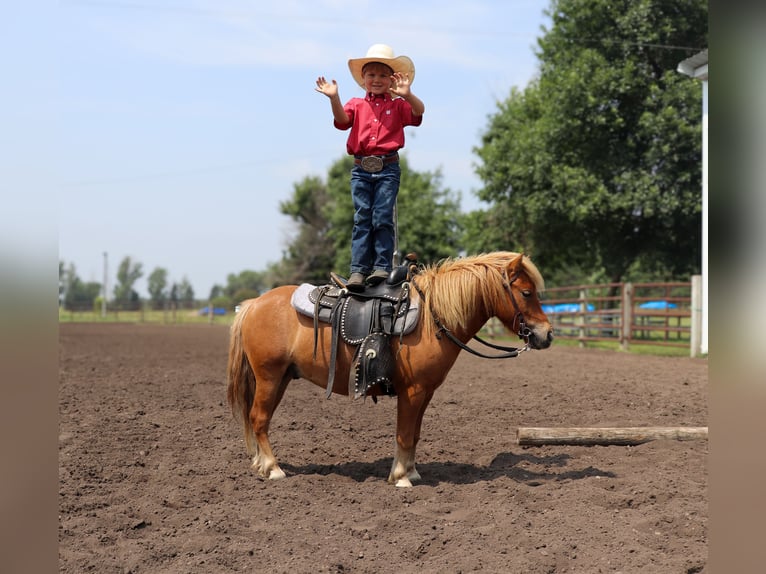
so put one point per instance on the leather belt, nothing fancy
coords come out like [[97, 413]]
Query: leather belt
[[375, 163]]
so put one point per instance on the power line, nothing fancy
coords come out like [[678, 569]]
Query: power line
[[640, 44], [185, 172]]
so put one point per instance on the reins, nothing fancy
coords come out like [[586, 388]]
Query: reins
[[508, 352]]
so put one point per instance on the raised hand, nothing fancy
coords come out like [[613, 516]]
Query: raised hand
[[329, 89], [400, 84]]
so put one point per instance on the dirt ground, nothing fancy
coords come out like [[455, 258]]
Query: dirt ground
[[154, 477]]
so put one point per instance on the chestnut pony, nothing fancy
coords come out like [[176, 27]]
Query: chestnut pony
[[272, 344]]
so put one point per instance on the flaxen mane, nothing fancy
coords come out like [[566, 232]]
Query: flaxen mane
[[455, 289]]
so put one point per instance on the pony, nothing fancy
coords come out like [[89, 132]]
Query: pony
[[271, 344]]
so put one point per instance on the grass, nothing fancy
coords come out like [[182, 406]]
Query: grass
[[179, 317], [635, 348]]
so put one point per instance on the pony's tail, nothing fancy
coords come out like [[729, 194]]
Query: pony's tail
[[241, 389]]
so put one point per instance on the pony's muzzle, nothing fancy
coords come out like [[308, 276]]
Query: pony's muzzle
[[541, 342]]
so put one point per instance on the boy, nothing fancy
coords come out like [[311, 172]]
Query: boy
[[377, 123]]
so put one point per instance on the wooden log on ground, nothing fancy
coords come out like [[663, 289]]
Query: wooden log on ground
[[536, 436]]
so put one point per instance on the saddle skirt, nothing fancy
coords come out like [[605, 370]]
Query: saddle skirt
[[357, 311]]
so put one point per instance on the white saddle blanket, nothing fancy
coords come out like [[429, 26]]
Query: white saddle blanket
[[301, 303]]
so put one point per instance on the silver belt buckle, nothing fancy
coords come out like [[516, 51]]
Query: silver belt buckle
[[372, 164]]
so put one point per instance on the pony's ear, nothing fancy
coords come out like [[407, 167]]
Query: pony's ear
[[516, 264]]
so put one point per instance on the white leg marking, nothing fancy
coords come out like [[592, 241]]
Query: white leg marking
[[276, 473], [403, 482]]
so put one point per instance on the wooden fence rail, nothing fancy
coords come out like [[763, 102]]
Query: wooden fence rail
[[628, 313]]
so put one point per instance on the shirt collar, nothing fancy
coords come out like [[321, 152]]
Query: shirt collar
[[371, 97]]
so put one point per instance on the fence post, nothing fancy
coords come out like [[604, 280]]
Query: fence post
[[581, 319], [627, 316], [493, 327], [695, 336]]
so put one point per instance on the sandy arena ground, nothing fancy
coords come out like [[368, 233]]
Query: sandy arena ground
[[154, 477]]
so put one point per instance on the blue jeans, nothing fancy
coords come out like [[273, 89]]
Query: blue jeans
[[372, 239]]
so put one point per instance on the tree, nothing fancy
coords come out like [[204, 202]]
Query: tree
[[174, 295], [430, 222], [310, 254], [157, 287], [73, 292], [127, 274], [216, 291], [218, 298], [245, 285], [186, 294], [596, 164]]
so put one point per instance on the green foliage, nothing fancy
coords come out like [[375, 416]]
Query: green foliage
[[339, 212], [247, 281], [98, 304], [596, 164], [73, 292], [309, 256], [215, 292], [244, 294], [157, 286], [182, 294], [222, 302], [430, 222], [127, 274]]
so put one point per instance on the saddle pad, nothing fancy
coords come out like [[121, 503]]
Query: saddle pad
[[403, 325]]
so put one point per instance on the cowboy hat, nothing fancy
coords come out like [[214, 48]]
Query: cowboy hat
[[385, 55]]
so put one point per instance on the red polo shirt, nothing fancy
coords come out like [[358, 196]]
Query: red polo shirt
[[377, 124]]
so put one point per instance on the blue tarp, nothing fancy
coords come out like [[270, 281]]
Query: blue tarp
[[657, 305], [216, 311], [575, 307], [566, 308]]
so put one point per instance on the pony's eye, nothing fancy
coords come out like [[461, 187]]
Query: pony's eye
[[526, 293]]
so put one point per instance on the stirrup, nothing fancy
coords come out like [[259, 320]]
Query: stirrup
[[338, 280]]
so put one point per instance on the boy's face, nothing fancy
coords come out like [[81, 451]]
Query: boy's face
[[377, 78]]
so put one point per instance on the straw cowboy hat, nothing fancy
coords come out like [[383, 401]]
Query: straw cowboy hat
[[385, 55]]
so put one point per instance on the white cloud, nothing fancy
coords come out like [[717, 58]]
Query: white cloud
[[464, 36]]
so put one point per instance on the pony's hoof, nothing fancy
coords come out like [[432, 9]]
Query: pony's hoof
[[403, 482], [276, 474], [267, 469], [413, 475]]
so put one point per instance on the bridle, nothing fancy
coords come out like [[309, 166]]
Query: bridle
[[523, 331]]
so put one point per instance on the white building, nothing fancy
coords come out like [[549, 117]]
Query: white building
[[696, 67]]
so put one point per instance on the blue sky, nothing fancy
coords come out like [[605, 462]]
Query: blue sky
[[181, 125]]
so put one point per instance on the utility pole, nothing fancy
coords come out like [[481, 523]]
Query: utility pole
[[103, 298]]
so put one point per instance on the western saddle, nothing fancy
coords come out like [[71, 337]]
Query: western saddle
[[366, 320]]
